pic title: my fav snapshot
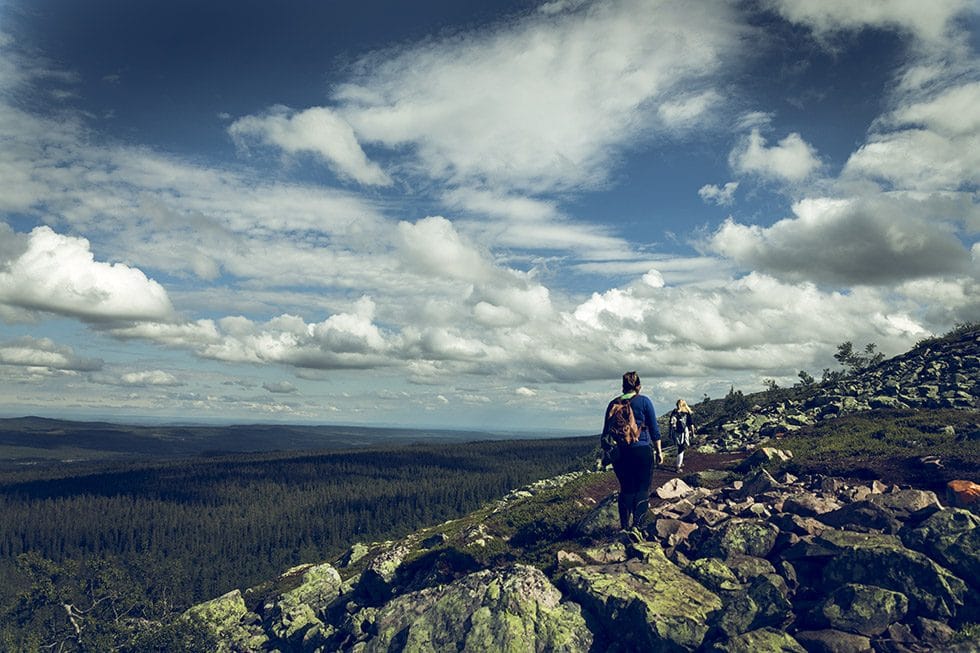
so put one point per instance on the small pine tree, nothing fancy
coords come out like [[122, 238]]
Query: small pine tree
[[735, 403]]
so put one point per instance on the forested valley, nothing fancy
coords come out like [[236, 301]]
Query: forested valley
[[108, 547]]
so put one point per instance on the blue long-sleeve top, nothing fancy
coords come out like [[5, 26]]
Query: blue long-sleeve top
[[646, 419]]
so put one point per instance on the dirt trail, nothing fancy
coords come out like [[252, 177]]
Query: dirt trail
[[693, 462]]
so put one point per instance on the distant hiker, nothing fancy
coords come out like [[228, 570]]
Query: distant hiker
[[681, 429], [631, 425]]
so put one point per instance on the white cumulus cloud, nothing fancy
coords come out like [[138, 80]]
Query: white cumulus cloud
[[59, 274], [45, 353], [719, 195], [791, 159], [880, 239]]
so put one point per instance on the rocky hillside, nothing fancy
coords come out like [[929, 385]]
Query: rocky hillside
[[729, 561], [938, 373], [745, 557]]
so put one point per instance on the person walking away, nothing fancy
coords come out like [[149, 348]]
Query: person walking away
[[633, 460], [681, 429]]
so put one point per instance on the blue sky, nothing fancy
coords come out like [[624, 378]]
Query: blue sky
[[434, 214]]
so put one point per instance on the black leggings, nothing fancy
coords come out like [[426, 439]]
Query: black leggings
[[634, 469]]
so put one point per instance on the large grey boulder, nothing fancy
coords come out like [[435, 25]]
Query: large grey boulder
[[862, 609], [882, 560], [908, 504], [808, 504], [714, 574], [770, 593], [952, 538], [377, 581], [769, 640], [298, 610], [751, 537], [862, 516], [229, 622], [648, 602], [513, 609], [833, 641]]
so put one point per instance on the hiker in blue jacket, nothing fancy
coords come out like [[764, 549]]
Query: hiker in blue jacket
[[634, 466]]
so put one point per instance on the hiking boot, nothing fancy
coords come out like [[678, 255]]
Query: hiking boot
[[631, 535]]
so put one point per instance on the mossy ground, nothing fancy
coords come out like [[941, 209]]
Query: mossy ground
[[890, 446]]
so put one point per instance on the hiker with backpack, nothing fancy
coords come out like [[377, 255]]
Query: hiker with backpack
[[630, 439], [681, 423]]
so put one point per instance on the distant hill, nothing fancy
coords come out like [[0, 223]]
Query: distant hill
[[39, 439]]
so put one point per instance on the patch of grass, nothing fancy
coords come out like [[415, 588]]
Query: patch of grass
[[956, 333], [888, 444], [968, 633]]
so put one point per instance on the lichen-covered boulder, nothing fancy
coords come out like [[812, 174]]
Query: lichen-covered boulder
[[357, 551], [833, 641], [752, 537], [229, 622], [649, 601], [881, 560], [604, 554], [747, 568], [737, 615], [771, 594], [769, 640], [377, 580], [862, 609], [298, 610], [515, 609], [709, 478], [952, 538], [714, 574], [318, 588]]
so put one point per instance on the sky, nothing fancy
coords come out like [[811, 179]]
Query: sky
[[475, 215]]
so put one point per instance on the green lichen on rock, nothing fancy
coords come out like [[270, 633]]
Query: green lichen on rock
[[882, 560], [515, 609], [770, 593], [863, 609], [768, 640], [648, 601], [714, 574], [951, 537], [319, 587], [225, 619], [305, 593], [737, 616], [752, 537]]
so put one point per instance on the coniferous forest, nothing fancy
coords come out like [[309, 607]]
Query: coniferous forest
[[124, 544]]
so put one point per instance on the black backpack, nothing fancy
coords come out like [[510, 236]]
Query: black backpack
[[679, 422], [621, 429]]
